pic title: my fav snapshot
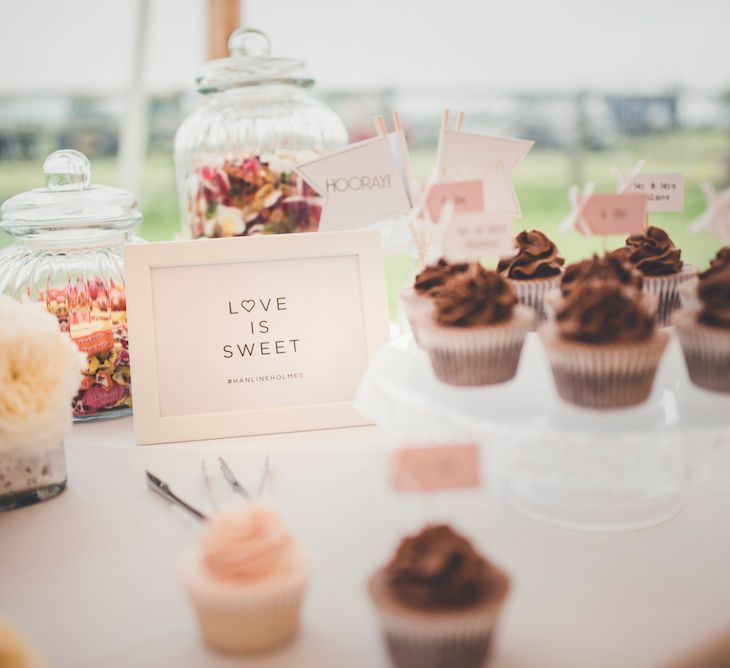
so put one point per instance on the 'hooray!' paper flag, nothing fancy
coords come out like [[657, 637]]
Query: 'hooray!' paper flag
[[362, 183]]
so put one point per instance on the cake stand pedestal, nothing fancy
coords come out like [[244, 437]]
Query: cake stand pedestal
[[601, 470]]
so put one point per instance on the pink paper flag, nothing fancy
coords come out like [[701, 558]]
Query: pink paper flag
[[608, 213], [362, 183], [477, 234], [466, 195], [436, 467], [664, 192], [468, 155]]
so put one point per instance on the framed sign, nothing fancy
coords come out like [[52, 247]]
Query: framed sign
[[254, 335]]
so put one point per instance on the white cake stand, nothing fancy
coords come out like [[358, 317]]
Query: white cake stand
[[604, 470]]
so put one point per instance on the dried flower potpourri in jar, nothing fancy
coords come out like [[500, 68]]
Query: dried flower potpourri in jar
[[68, 256], [236, 154]]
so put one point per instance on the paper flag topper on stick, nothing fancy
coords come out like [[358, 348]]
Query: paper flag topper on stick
[[469, 155], [606, 213], [663, 191], [468, 237], [362, 183], [716, 217], [577, 200], [467, 195]]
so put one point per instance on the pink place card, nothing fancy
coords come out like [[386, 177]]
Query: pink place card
[[608, 213], [436, 467], [477, 234], [466, 195], [664, 192]]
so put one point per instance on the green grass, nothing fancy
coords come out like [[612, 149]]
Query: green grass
[[541, 183]]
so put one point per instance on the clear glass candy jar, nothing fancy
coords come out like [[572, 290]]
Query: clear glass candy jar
[[235, 154], [68, 255]]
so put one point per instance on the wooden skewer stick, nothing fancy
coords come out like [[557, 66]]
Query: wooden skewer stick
[[459, 121], [396, 121], [380, 128], [445, 120]]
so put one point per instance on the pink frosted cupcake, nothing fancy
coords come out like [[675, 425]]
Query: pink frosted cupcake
[[704, 330], [603, 346], [438, 601], [534, 270], [246, 581], [416, 300], [475, 334], [660, 263]]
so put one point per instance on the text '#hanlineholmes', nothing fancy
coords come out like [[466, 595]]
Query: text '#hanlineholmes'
[[295, 375]]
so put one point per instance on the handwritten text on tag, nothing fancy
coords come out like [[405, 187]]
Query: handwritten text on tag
[[607, 213], [664, 192]]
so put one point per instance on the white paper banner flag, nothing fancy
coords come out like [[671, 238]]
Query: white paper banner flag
[[578, 201], [474, 235], [716, 216], [361, 183], [467, 155], [664, 191]]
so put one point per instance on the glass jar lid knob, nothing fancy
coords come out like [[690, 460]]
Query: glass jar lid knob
[[249, 43], [67, 170]]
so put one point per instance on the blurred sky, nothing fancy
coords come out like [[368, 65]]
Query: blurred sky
[[621, 45]]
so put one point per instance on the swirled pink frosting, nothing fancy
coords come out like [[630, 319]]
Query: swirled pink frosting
[[248, 545]]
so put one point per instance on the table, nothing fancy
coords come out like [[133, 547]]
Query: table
[[90, 578]]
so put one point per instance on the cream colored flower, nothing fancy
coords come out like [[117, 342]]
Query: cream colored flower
[[230, 220], [40, 373], [14, 651]]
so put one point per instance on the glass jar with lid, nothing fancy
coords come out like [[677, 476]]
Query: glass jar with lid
[[236, 153], [68, 255]]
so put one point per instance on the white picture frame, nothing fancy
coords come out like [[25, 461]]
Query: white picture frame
[[169, 321]]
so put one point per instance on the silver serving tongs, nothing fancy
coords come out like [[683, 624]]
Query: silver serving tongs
[[232, 480], [162, 489]]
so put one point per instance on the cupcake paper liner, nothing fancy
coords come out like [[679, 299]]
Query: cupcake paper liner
[[245, 619], [706, 351], [415, 306], [688, 294], [603, 375], [437, 638], [532, 293], [666, 290], [479, 355]]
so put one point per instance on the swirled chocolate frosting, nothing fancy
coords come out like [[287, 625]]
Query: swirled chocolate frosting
[[438, 568], [606, 268], [604, 312], [536, 257], [652, 253], [714, 293], [721, 259], [478, 297], [433, 276]]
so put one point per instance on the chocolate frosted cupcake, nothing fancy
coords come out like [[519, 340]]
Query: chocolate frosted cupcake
[[606, 268], [416, 300], [660, 263], [438, 601], [688, 289], [704, 331], [474, 335], [603, 346], [534, 270]]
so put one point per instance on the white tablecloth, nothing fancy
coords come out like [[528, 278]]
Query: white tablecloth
[[90, 576]]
